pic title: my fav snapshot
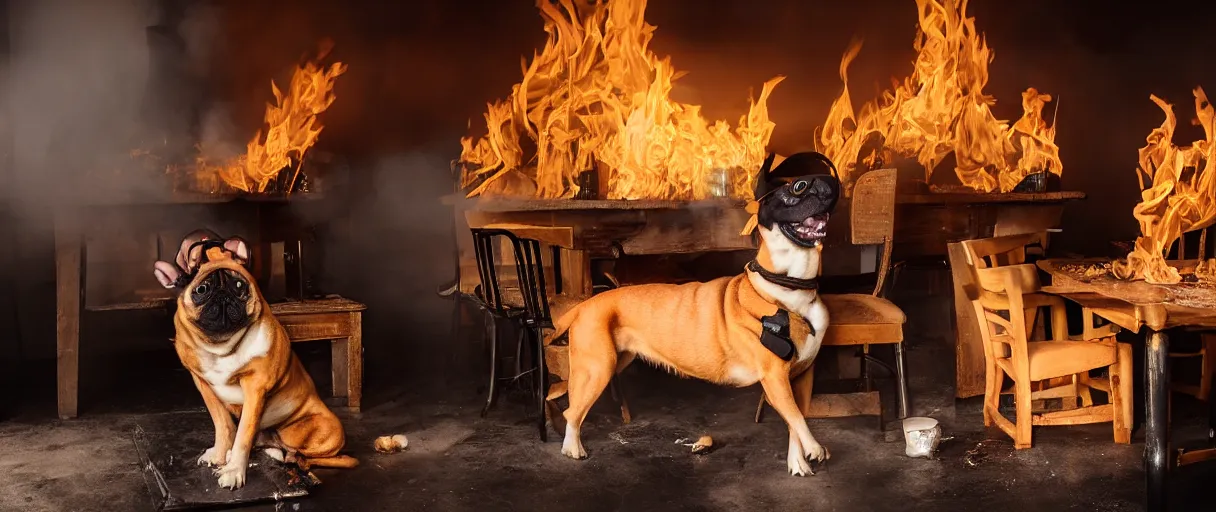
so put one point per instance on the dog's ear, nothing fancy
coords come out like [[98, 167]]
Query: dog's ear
[[167, 273], [762, 177], [238, 248]]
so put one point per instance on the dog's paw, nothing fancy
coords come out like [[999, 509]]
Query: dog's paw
[[214, 457], [797, 465], [817, 453], [574, 450], [232, 476]]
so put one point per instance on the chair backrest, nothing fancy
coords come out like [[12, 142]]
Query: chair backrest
[[872, 216], [993, 261], [999, 278], [529, 271], [1201, 249]]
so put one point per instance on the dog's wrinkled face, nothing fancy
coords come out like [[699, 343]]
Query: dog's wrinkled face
[[801, 208], [223, 297], [798, 197]]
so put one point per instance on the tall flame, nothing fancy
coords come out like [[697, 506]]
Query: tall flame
[[1178, 193], [596, 97], [291, 129], [941, 108]]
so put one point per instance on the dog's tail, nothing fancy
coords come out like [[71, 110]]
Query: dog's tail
[[337, 461], [561, 326]]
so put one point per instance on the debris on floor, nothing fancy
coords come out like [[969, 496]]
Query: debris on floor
[[702, 445], [984, 451], [392, 444]]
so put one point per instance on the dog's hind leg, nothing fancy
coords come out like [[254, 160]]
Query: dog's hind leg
[[592, 365], [802, 444]]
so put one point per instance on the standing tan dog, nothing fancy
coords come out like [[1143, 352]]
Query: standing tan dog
[[242, 363], [753, 327]]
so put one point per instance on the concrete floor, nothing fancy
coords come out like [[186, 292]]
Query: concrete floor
[[459, 461]]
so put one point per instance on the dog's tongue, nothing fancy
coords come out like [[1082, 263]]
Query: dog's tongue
[[816, 222]]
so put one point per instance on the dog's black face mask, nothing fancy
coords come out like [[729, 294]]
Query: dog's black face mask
[[220, 299], [798, 197]]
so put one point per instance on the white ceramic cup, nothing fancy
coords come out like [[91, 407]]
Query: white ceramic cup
[[921, 436]]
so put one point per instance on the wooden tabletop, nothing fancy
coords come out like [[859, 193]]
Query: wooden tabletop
[[946, 198], [1131, 304], [188, 198], [510, 204]]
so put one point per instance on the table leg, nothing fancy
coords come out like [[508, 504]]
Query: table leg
[[69, 289], [1157, 419], [346, 359]]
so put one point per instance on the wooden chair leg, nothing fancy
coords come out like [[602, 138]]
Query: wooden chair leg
[[1209, 365], [994, 377], [1022, 427], [1082, 383], [1121, 375], [1059, 323]]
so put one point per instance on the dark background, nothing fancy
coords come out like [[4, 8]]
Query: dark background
[[420, 72]]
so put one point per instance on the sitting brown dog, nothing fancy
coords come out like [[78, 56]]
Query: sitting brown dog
[[242, 363]]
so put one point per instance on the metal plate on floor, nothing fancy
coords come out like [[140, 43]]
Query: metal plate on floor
[[176, 481]]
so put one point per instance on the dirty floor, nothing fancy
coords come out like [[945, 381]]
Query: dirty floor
[[457, 460]]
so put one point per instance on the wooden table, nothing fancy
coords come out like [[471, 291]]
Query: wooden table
[[1136, 306], [71, 260], [602, 229]]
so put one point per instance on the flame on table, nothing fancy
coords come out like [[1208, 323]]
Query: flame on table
[[1178, 194], [291, 128], [596, 97], [941, 108]]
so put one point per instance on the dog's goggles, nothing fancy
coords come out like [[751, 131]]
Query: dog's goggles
[[187, 275]]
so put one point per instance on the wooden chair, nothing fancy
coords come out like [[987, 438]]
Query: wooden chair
[[1207, 344], [1005, 296], [863, 319]]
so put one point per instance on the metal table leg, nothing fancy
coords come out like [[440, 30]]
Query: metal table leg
[[1157, 419]]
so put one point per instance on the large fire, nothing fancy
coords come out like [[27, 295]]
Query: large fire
[[291, 129], [941, 108], [1178, 194], [597, 98]]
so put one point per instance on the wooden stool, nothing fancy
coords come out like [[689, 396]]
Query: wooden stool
[[340, 321]]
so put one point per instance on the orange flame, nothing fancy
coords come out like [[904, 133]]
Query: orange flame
[[291, 129], [596, 97], [1178, 193], [941, 108]]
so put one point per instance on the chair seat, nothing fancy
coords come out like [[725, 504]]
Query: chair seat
[[1050, 359], [861, 319], [858, 308]]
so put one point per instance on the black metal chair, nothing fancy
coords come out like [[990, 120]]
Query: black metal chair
[[530, 314]]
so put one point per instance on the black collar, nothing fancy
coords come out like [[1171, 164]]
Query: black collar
[[783, 280]]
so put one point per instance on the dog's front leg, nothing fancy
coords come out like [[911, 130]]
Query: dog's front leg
[[232, 475], [217, 455], [776, 386]]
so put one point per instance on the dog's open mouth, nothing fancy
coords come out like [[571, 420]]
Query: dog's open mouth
[[810, 231]]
